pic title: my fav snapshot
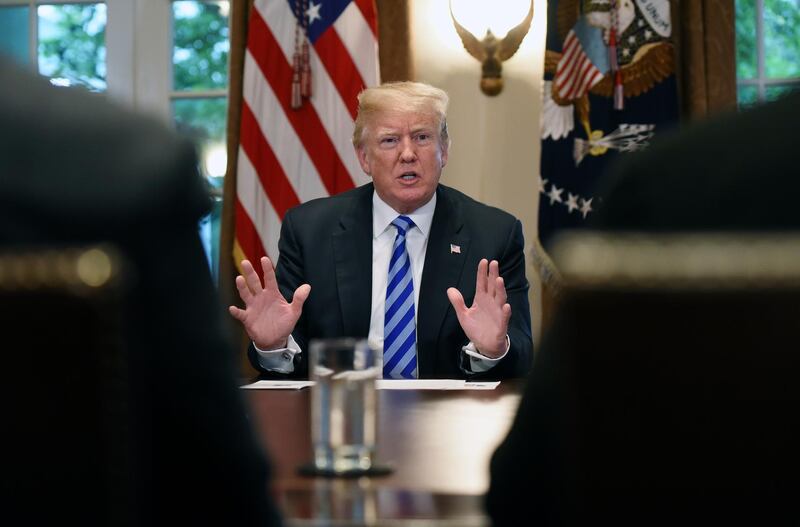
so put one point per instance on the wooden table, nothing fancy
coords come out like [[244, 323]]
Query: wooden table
[[438, 442]]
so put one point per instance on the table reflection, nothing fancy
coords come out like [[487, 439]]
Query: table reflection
[[438, 442]]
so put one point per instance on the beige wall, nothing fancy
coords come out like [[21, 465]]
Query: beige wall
[[495, 152]]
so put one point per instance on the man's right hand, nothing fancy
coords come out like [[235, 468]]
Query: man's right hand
[[267, 317]]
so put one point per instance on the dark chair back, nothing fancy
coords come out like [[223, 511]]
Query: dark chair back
[[680, 362], [67, 450]]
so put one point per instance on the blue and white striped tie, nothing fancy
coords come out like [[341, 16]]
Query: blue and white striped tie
[[399, 328]]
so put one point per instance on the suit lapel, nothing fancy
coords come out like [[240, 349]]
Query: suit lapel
[[444, 263], [354, 281]]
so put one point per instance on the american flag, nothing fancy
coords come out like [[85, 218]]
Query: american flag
[[289, 156], [584, 61]]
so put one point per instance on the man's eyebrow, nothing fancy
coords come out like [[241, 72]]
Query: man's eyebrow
[[396, 131], [422, 128]]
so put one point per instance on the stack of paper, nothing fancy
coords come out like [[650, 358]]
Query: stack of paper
[[385, 384]]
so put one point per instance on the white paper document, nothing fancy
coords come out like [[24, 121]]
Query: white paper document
[[433, 384], [277, 385], [384, 384]]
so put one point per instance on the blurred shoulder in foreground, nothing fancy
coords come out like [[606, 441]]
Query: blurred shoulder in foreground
[[77, 170], [732, 172], [663, 391]]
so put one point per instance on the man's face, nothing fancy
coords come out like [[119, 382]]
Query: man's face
[[403, 154]]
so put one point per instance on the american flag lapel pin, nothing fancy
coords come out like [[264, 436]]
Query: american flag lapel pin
[[455, 249]]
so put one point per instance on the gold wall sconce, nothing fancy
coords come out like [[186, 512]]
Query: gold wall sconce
[[490, 51]]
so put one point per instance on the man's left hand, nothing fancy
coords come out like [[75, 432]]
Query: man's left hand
[[486, 321]]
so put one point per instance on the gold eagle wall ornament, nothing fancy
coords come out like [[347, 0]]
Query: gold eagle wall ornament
[[491, 52]]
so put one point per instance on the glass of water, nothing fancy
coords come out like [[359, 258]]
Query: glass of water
[[344, 405]]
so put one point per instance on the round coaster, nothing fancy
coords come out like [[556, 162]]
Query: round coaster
[[310, 470]]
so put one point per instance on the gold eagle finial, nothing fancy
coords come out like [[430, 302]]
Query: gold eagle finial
[[491, 52]]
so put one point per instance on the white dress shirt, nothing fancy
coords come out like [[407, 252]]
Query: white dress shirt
[[384, 233]]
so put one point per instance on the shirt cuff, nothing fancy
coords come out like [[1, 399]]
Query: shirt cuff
[[280, 360], [478, 363]]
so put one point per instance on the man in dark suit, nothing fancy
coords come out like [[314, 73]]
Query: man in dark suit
[[77, 170], [735, 172], [335, 253]]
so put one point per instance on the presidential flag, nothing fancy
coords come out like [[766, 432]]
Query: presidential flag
[[305, 63], [584, 61], [598, 50]]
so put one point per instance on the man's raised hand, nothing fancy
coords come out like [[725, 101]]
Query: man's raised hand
[[267, 317], [486, 322]]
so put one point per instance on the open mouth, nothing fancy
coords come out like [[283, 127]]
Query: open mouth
[[409, 176]]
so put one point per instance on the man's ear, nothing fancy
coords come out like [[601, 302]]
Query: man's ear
[[361, 154], [445, 150]]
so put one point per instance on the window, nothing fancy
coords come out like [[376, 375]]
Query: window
[[65, 41], [199, 97], [767, 49], [167, 57], [15, 39]]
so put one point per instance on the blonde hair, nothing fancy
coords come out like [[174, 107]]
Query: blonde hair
[[406, 96]]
